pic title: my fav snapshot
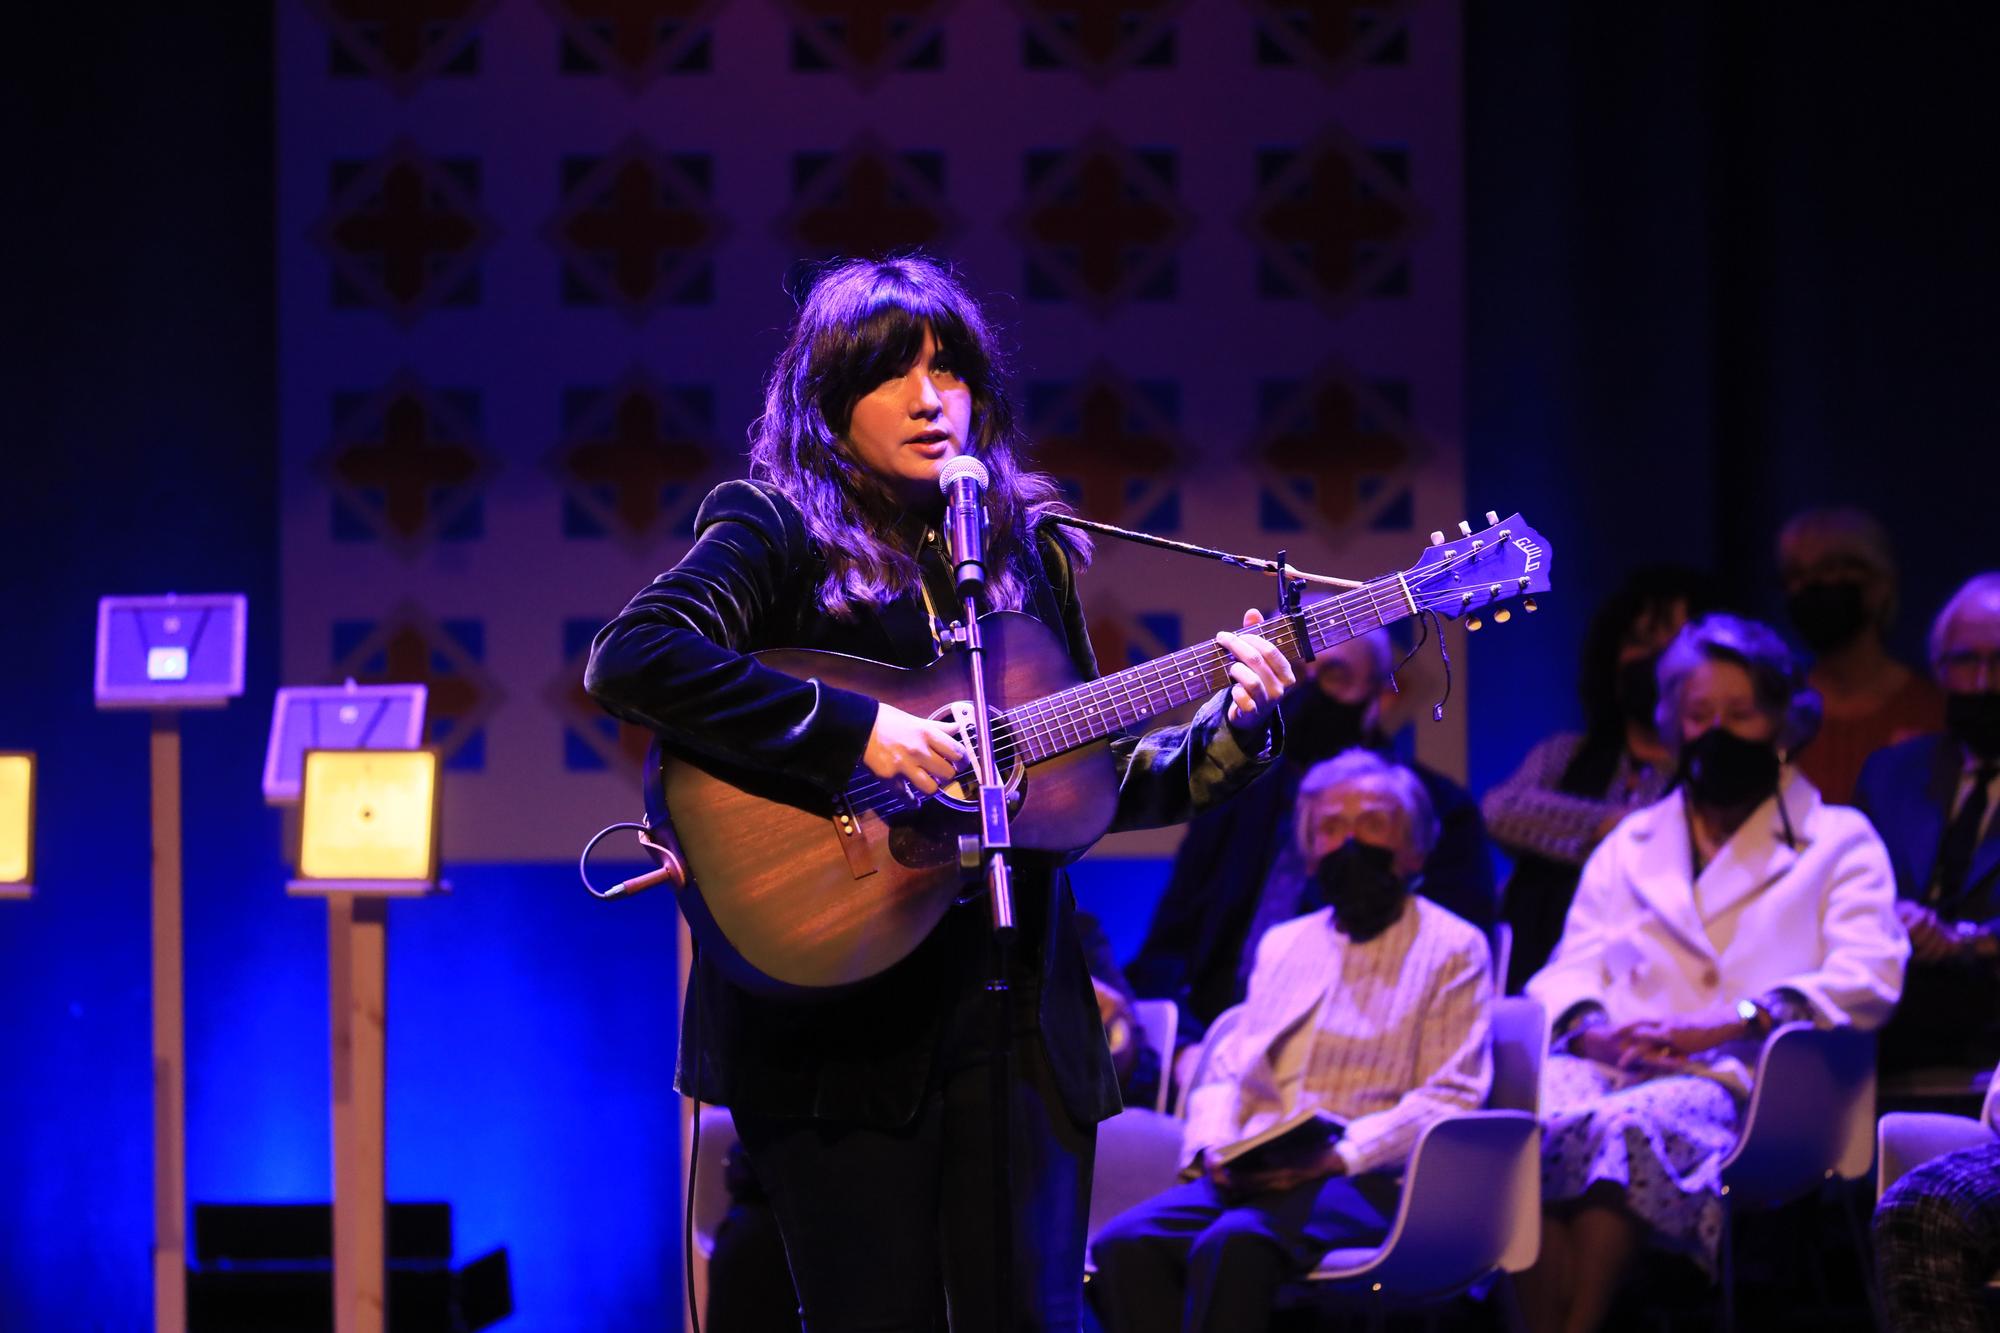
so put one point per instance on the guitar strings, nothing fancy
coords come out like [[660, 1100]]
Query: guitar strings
[[885, 796], [869, 795]]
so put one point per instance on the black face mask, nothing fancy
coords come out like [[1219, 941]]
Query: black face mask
[[1639, 690], [1974, 721], [1828, 616], [1723, 770], [1317, 725], [1359, 881]]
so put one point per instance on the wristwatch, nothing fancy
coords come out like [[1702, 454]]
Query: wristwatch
[[1756, 1016]]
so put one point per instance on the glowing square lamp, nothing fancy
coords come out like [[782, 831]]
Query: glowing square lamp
[[337, 717], [368, 823], [171, 651], [17, 824]]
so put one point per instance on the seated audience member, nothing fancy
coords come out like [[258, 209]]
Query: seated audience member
[[1839, 573], [1932, 799], [1373, 1008], [1574, 787], [1937, 1243], [1238, 872], [1739, 901]]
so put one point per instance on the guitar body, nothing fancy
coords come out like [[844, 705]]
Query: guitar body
[[796, 892]]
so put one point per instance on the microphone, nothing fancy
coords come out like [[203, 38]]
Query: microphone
[[964, 481]]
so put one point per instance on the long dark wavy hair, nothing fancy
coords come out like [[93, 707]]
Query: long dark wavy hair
[[863, 322]]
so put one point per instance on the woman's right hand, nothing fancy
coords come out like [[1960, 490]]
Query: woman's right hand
[[902, 745]]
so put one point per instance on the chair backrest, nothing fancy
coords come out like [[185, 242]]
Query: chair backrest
[[1520, 1047], [1811, 1115], [1502, 945], [1158, 1022], [1472, 1203], [1225, 1023], [1989, 1110], [1138, 1156], [711, 1190]]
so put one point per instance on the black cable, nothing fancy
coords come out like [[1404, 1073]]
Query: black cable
[[583, 860]]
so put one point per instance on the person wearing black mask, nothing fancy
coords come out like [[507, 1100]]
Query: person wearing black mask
[[1236, 873], [1737, 902], [1839, 575], [1933, 800], [1574, 787], [1372, 1007]]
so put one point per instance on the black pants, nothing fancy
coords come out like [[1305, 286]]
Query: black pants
[[890, 1229], [1193, 1260]]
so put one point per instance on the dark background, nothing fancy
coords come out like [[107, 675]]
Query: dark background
[[1725, 261]]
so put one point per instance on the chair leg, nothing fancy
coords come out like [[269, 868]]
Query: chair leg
[[1378, 1316]]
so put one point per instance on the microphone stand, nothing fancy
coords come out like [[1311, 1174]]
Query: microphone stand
[[989, 848]]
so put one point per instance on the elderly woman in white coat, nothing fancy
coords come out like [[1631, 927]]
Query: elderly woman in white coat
[[1737, 902]]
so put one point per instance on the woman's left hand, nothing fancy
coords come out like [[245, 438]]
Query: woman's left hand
[[1659, 1040], [1260, 673]]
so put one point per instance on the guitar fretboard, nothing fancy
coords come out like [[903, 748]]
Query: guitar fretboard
[[1068, 719]]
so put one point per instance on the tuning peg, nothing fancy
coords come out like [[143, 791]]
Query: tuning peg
[[1529, 606], [1502, 616], [1437, 539], [1473, 624], [1491, 518], [1464, 528]]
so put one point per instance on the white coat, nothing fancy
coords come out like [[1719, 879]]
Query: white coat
[[1646, 938]]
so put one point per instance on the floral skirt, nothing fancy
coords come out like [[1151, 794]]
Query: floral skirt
[[1661, 1142]]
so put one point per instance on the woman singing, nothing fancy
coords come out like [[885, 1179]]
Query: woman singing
[[866, 1115]]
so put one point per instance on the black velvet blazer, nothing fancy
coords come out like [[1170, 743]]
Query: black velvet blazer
[[674, 661]]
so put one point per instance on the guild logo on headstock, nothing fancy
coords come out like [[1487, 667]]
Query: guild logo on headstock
[[868, 199], [406, 465], [1332, 37], [632, 458], [1336, 451], [593, 740], [1114, 444], [867, 39], [408, 647], [1101, 224], [1096, 39], [636, 229], [405, 232], [402, 42], [1333, 222], [636, 40]]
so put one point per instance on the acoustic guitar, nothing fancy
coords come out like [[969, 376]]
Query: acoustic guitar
[[797, 892]]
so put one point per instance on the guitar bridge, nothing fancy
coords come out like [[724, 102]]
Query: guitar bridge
[[853, 839]]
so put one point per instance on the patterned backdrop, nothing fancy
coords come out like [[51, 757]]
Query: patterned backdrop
[[535, 256]]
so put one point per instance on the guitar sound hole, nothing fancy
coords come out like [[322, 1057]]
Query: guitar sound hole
[[963, 792]]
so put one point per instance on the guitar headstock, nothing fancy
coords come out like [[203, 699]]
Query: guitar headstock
[[1505, 560]]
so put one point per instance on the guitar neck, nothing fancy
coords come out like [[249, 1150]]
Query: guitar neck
[[1068, 719]]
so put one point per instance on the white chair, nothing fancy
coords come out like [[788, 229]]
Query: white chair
[[1224, 1023], [1905, 1140], [1472, 1195], [1159, 1022], [1502, 946], [1138, 1156], [1811, 1120], [711, 1193]]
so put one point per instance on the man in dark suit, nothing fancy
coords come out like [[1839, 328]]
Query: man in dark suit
[[1933, 800], [1237, 874]]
